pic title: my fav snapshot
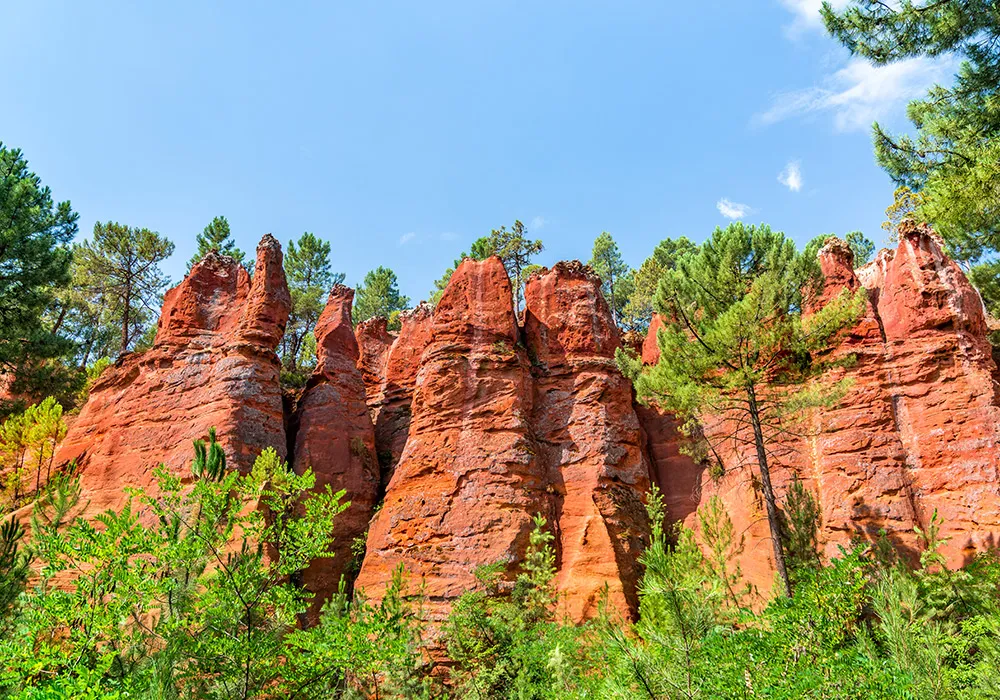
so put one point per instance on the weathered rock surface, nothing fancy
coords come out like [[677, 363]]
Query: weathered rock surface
[[335, 436], [918, 430], [468, 480], [212, 364], [390, 394], [589, 440]]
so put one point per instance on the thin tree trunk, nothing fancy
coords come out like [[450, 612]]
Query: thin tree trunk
[[124, 347], [60, 319], [765, 479]]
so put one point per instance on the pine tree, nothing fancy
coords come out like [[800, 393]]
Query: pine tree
[[307, 268], [862, 248], [515, 251], [378, 295], [607, 262], [34, 262], [953, 160], [736, 344], [121, 264], [638, 310], [216, 236]]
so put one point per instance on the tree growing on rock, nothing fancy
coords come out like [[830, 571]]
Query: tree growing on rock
[[310, 277], [514, 249], [122, 264], [638, 310], [607, 263], [737, 345], [216, 236], [378, 295]]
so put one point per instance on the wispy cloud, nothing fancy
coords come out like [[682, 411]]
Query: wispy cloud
[[732, 210], [860, 93], [407, 237], [806, 15], [538, 222], [791, 176]]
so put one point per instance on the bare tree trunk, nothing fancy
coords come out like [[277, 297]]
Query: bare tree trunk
[[769, 500], [125, 309]]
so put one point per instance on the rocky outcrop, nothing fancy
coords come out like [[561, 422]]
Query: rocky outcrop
[[390, 393], [507, 423], [918, 430], [469, 480], [589, 440], [373, 341], [335, 436], [212, 365]]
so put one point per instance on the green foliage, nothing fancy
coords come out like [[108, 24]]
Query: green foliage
[[27, 443], [951, 166], [607, 263], [738, 345], [34, 263], [800, 523], [309, 275], [638, 310], [515, 251], [215, 237], [510, 646], [862, 248], [120, 266], [378, 295]]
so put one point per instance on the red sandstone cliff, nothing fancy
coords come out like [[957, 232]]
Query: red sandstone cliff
[[335, 436], [468, 480], [918, 430], [589, 440], [212, 364]]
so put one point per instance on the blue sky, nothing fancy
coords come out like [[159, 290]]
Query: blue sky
[[401, 131]]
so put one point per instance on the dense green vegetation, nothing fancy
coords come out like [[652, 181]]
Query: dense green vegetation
[[189, 593]]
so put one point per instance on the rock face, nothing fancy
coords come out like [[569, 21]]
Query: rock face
[[390, 393], [589, 440], [918, 430], [468, 481], [335, 436], [505, 425], [212, 364]]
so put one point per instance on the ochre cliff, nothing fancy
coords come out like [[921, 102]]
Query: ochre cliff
[[335, 436], [212, 365], [466, 424], [917, 431]]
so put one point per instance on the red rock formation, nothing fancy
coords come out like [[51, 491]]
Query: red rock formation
[[468, 481], [212, 364], [391, 393], [589, 439], [918, 430], [374, 340], [335, 436]]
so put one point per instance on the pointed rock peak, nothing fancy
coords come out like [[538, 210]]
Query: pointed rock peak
[[566, 314], [478, 299], [334, 336], [417, 314], [650, 346], [836, 252], [208, 299], [269, 303], [836, 261]]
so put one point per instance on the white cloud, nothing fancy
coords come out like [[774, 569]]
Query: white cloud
[[732, 210], [806, 15], [537, 223], [791, 176], [860, 93], [406, 238]]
